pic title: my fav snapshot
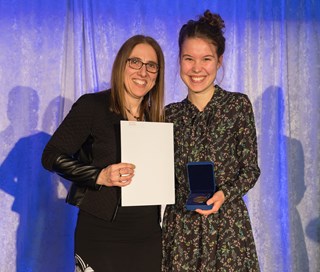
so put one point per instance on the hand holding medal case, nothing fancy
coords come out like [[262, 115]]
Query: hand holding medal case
[[202, 185]]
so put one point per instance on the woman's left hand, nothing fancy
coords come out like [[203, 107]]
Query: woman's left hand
[[217, 200]]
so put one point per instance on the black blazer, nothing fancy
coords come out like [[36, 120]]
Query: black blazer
[[87, 140]]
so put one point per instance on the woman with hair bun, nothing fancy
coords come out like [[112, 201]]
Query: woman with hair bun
[[214, 125]]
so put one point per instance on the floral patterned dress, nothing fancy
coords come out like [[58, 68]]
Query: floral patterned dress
[[224, 133]]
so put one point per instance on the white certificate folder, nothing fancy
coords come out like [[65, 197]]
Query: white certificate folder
[[149, 146]]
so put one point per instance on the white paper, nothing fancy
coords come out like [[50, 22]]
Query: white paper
[[149, 146]]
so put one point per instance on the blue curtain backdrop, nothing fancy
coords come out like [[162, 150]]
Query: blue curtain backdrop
[[51, 52]]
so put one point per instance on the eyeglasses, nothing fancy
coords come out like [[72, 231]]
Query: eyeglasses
[[137, 64]]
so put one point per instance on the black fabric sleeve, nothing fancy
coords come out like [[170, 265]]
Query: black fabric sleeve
[[247, 153], [59, 153]]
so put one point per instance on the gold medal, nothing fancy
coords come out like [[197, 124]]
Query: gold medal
[[200, 199]]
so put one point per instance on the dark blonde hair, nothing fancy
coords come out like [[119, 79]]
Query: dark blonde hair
[[209, 26], [153, 102]]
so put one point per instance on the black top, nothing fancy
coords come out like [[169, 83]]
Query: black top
[[90, 117]]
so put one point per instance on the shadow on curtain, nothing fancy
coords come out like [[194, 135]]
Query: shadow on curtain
[[43, 230], [282, 173]]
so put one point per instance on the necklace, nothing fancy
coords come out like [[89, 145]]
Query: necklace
[[135, 117]]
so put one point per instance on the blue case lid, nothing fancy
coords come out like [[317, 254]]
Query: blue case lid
[[201, 176]]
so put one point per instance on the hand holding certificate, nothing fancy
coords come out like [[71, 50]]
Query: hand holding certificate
[[149, 146]]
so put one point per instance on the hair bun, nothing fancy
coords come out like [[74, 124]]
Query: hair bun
[[212, 19]]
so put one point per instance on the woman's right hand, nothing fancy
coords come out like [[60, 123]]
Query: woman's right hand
[[119, 174]]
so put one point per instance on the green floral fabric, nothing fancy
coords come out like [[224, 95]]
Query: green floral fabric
[[224, 133]]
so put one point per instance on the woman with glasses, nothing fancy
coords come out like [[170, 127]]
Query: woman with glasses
[[213, 125], [85, 149]]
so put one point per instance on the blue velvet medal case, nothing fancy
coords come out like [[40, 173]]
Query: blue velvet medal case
[[202, 185]]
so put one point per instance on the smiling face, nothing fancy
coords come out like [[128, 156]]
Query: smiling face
[[139, 82], [199, 64]]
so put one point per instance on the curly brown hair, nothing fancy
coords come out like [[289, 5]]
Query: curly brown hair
[[209, 26]]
